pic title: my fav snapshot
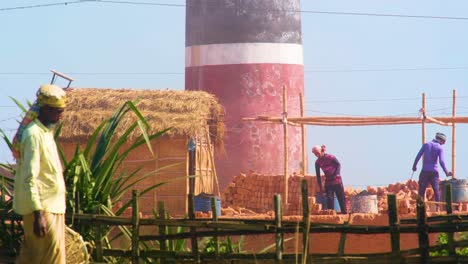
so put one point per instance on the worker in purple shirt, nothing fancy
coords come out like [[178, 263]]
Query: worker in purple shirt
[[331, 167], [432, 152]]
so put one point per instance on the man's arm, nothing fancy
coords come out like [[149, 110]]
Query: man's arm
[[442, 163], [418, 157], [31, 162], [317, 173], [337, 166]]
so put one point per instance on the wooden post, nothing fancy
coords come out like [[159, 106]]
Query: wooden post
[[303, 137], [213, 167], [193, 230], [191, 205], [215, 219], [454, 134], [394, 223], [424, 118], [278, 222], [162, 228], [423, 233], [192, 168], [448, 205], [342, 243], [305, 220], [135, 228], [285, 140]]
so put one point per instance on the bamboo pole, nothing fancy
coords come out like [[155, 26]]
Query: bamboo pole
[[303, 137], [193, 230], [448, 208], [215, 219], [305, 220], [394, 223], [454, 134], [278, 223], [191, 205], [360, 121], [162, 228], [213, 167], [423, 123], [342, 243], [135, 228], [423, 232], [285, 139], [191, 166]]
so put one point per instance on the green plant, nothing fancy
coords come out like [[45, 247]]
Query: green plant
[[10, 225], [443, 240], [226, 245], [94, 178]]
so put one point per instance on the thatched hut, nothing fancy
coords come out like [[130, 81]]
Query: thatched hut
[[189, 114]]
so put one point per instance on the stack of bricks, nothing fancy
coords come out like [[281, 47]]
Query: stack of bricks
[[256, 191]]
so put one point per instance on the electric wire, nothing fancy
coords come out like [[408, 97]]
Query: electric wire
[[260, 9], [43, 5]]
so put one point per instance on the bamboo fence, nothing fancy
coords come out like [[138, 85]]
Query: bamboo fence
[[195, 229]]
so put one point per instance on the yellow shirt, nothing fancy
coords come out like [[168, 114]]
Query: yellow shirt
[[39, 183]]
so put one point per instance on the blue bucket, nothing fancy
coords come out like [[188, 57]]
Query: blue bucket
[[203, 203], [459, 190], [322, 199]]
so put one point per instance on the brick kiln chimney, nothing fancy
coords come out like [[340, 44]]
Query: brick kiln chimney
[[244, 52]]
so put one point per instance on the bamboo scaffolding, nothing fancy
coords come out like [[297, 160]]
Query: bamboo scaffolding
[[303, 138], [362, 121], [286, 146], [423, 123], [454, 134], [225, 227]]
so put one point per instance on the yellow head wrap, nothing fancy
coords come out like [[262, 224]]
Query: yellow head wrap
[[51, 95]]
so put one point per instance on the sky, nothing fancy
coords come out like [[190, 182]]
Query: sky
[[361, 58]]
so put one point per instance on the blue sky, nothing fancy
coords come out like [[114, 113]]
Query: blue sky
[[357, 62]]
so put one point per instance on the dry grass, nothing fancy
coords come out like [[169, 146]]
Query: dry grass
[[186, 112]]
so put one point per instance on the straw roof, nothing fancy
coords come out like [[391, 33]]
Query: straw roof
[[187, 112]]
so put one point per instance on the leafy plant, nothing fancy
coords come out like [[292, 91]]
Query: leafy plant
[[94, 176], [10, 227], [226, 245], [443, 240]]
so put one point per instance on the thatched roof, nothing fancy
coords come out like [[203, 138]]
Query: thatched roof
[[187, 112]]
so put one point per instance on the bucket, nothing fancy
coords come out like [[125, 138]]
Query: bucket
[[322, 199], [203, 203], [366, 204], [459, 190]]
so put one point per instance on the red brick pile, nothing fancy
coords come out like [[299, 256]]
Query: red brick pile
[[253, 193], [256, 191]]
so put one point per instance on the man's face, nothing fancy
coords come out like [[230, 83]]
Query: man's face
[[51, 114]]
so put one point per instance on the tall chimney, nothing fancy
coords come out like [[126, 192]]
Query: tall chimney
[[244, 52]]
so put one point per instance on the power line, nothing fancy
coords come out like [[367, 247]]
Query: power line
[[392, 69], [271, 10], [380, 99], [305, 71], [304, 11], [44, 5], [140, 3], [95, 73], [8, 119]]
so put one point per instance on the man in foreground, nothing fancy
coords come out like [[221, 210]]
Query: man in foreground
[[39, 194]]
